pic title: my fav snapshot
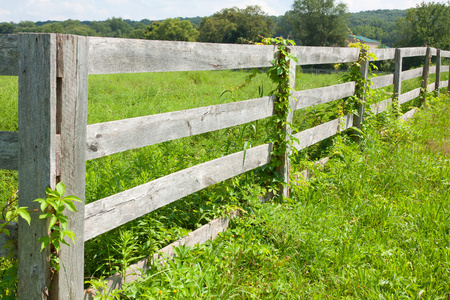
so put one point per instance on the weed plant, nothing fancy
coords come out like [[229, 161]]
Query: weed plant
[[373, 225]]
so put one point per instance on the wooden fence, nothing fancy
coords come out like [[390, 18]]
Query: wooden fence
[[54, 140]]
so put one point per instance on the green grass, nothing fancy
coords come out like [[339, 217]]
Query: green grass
[[119, 96], [375, 224]]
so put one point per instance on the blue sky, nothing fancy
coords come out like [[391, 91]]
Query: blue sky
[[91, 10]]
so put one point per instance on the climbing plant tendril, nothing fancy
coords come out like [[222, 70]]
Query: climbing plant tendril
[[281, 137]]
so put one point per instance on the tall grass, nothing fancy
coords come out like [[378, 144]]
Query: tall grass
[[119, 96], [373, 225]]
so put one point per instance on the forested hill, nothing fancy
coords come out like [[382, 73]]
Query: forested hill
[[380, 25]]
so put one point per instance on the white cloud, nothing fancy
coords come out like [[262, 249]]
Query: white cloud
[[263, 4], [117, 2], [75, 7], [42, 10], [4, 13]]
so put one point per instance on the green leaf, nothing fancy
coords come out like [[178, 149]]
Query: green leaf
[[64, 242], [23, 212], [45, 216], [60, 208], [40, 200], [52, 194], [44, 205], [70, 206], [45, 242], [61, 188], [279, 71], [71, 235], [53, 221], [57, 245], [9, 216], [53, 203]]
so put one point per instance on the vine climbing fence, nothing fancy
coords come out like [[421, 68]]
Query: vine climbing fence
[[54, 141]]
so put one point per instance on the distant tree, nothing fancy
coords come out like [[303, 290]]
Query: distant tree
[[56, 27], [380, 25], [6, 28], [235, 25], [171, 30], [119, 27], [26, 24], [426, 24], [195, 21], [102, 28], [285, 26], [139, 30], [319, 22]]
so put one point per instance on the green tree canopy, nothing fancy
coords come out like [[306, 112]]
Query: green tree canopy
[[235, 25], [115, 27], [319, 22], [380, 25], [6, 28], [426, 24], [171, 30]]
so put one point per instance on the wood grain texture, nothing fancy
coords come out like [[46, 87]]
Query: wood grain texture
[[410, 74], [134, 272], [113, 55], [381, 106], [408, 115], [433, 51], [431, 87], [433, 69], [358, 118], [37, 163], [9, 150], [398, 76], [117, 136], [445, 53], [384, 54], [318, 133], [403, 98], [382, 81], [426, 75], [414, 51], [445, 68], [9, 57], [5, 240], [438, 69], [307, 98], [324, 55], [72, 87], [111, 212]]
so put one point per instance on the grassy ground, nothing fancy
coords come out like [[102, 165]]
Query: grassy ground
[[119, 96], [373, 225], [113, 97]]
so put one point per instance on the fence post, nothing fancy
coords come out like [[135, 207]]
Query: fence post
[[37, 159], [398, 60], [359, 118], [426, 74], [283, 169], [448, 86], [71, 116], [438, 70]]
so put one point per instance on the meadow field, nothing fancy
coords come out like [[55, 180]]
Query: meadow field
[[373, 224], [120, 96]]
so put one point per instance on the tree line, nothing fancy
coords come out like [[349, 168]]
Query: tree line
[[308, 23]]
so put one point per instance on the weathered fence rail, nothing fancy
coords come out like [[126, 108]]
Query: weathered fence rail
[[54, 141]]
